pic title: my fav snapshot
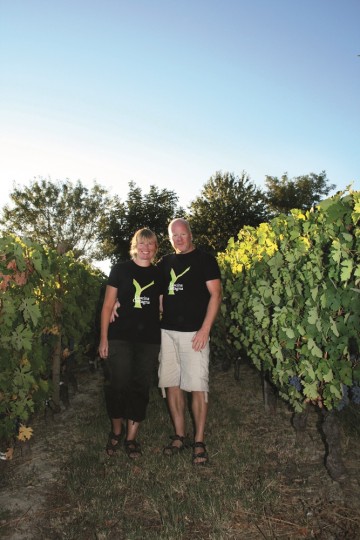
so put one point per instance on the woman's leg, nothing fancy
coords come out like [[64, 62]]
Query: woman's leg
[[117, 375], [142, 370]]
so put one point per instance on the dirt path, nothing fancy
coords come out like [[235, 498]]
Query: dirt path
[[27, 481]]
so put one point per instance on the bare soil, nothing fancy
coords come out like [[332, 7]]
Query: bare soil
[[29, 480], [30, 483]]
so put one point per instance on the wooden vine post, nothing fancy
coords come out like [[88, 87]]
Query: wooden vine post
[[57, 351]]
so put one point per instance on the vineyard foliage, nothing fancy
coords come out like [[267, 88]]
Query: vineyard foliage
[[46, 300], [292, 301]]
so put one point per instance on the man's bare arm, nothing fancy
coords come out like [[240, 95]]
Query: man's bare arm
[[202, 335]]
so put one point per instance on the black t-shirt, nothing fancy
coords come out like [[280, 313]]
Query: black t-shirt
[[186, 296], [138, 293]]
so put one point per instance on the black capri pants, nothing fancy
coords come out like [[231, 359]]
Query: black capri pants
[[129, 371]]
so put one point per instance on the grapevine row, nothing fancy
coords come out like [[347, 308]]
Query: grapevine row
[[291, 301], [46, 299]]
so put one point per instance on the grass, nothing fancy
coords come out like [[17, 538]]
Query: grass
[[162, 497], [259, 482]]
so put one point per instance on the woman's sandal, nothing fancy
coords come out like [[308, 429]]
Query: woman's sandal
[[132, 449], [112, 443], [200, 458], [172, 448]]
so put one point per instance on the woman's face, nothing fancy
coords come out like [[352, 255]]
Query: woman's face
[[146, 249]]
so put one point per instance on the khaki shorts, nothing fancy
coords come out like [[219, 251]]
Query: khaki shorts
[[180, 365]]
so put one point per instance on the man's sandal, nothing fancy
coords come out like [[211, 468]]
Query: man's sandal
[[112, 443], [200, 458], [133, 449], [172, 449]]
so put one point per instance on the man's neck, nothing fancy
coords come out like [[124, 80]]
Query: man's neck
[[192, 248]]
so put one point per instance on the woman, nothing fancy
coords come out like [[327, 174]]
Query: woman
[[130, 345]]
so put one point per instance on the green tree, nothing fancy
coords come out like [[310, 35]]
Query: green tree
[[227, 203], [301, 192], [154, 210], [61, 215]]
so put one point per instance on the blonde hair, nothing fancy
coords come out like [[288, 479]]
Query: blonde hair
[[141, 234]]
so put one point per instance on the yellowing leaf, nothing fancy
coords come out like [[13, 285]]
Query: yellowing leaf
[[25, 433]]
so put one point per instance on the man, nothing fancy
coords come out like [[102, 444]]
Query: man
[[191, 300]]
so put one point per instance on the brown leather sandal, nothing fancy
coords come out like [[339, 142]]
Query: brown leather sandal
[[112, 443], [172, 449], [133, 449], [202, 456]]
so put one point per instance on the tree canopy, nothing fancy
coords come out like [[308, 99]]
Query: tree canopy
[[70, 217], [227, 203], [61, 214], [301, 192], [154, 210]]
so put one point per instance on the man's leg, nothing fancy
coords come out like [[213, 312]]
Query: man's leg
[[176, 402], [199, 409]]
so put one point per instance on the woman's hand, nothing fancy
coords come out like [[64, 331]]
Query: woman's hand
[[103, 349]]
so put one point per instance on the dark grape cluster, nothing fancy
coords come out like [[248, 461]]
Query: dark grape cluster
[[349, 394], [355, 394], [345, 398], [295, 382]]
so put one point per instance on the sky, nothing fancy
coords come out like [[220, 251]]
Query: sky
[[167, 93]]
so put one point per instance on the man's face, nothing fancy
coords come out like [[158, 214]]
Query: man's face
[[180, 238]]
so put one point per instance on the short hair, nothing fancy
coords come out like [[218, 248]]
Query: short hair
[[181, 220], [141, 234]]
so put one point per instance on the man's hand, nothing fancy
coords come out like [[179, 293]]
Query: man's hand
[[114, 312], [200, 340]]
